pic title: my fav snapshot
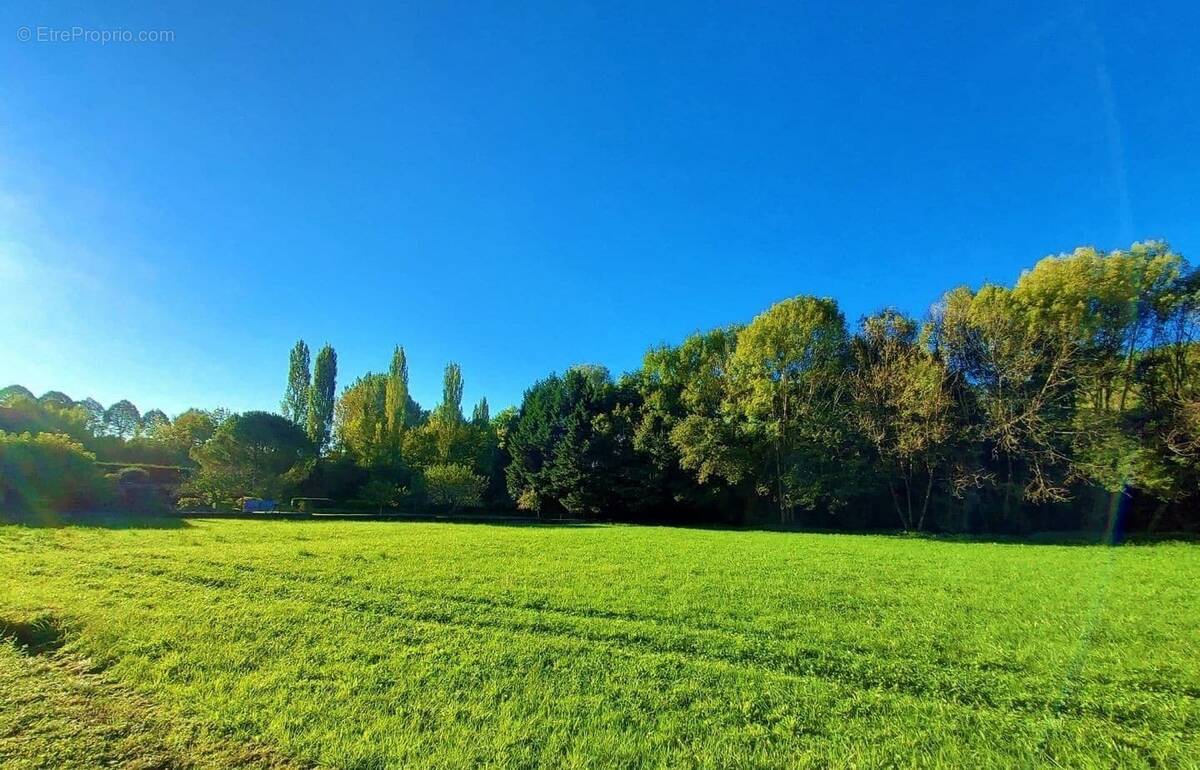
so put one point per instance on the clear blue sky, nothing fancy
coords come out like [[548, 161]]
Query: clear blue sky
[[521, 190]]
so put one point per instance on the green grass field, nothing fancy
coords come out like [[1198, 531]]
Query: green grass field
[[362, 645]]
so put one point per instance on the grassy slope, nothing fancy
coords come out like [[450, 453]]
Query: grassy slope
[[358, 644]]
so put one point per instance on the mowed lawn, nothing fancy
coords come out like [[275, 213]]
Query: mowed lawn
[[379, 644]]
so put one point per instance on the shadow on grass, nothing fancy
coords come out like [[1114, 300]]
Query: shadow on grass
[[35, 636], [494, 521], [1061, 538], [93, 520], [1066, 538], [180, 521], [1073, 538]]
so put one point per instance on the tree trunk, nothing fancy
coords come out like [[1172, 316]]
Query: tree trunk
[[925, 502], [1008, 488], [908, 495], [896, 504], [1128, 373], [783, 517]]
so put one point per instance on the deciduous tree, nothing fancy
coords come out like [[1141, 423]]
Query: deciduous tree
[[295, 397], [397, 398], [321, 397], [788, 382], [123, 420]]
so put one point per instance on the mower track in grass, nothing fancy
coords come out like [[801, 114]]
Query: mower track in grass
[[60, 711]]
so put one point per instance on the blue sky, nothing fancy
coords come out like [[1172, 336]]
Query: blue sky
[[521, 190]]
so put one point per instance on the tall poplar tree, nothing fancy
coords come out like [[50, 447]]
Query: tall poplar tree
[[452, 389], [321, 398], [295, 398], [481, 415], [396, 404]]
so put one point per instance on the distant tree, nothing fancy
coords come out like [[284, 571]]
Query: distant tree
[[1165, 420], [788, 383], [383, 494], [684, 433], [571, 446], [22, 414], [487, 457], [252, 454], [531, 440], [396, 398], [905, 406], [321, 398], [123, 420], [295, 397], [439, 440], [95, 415], [154, 421], [1106, 303], [454, 486], [480, 414], [57, 399], [444, 438], [1023, 376], [452, 390], [13, 391], [361, 421], [503, 424], [190, 429]]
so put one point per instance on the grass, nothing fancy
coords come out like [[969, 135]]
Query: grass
[[377, 644]]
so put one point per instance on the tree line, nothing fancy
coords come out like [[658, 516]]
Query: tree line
[[1059, 402], [120, 433]]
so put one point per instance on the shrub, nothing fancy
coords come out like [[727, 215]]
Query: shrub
[[382, 494], [191, 503], [127, 476], [454, 486], [49, 473]]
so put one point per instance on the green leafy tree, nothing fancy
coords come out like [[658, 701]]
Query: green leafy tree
[[1022, 373], [452, 390], [382, 494], [480, 414], [94, 411], [530, 442], [1106, 306], [295, 397], [57, 399], [188, 430], [1166, 418], [571, 446], [692, 446], [48, 473], [788, 382], [321, 397], [445, 438], [14, 391], [154, 421], [905, 406], [397, 398], [361, 421], [22, 414], [123, 420], [454, 486], [255, 454]]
